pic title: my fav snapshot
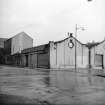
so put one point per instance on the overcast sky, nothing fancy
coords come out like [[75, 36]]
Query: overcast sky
[[51, 20]]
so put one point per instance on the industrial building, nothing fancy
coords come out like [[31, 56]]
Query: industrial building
[[97, 55], [17, 43], [59, 54], [14, 46], [66, 53], [36, 57]]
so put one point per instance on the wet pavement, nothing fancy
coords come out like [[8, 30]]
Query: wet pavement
[[23, 86]]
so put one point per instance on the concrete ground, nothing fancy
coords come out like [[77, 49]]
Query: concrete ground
[[23, 86]]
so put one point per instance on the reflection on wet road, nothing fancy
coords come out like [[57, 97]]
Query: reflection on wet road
[[58, 87], [75, 82]]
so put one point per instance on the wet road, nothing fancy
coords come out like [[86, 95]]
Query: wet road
[[30, 86]]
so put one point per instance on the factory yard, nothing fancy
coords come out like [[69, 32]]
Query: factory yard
[[24, 86]]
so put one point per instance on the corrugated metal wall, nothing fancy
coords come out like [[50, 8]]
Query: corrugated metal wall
[[33, 60], [97, 56], [36, 57], [43, 60], [62, 56]]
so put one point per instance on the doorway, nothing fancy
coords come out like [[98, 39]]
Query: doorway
[[99, 60], [26, 60]]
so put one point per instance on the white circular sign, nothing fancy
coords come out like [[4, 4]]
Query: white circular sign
[[71, 44]]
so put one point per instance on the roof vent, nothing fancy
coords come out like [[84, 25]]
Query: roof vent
[[71, 34]]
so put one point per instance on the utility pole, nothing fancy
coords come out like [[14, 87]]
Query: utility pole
[[75, 48], [76, 28]]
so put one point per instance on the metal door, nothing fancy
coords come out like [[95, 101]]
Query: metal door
[[99, 60]]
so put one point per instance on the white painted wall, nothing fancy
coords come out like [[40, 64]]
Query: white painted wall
[[16, 45], [21, 41], [53, 51], [26, 42], [61, 56]]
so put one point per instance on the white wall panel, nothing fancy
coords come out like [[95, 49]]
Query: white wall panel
[[65, 56], [21, 41]]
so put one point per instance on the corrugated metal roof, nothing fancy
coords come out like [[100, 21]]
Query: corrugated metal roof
[[3, 39], [36, 49]]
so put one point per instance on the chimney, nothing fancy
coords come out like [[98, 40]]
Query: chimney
[[71, 34]]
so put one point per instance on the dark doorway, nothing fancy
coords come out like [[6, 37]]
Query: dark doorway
[[26, 60], [43, 60], [99, 60], [102, 62]]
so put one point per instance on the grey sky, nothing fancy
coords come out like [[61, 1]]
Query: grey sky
[[46, 20]]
